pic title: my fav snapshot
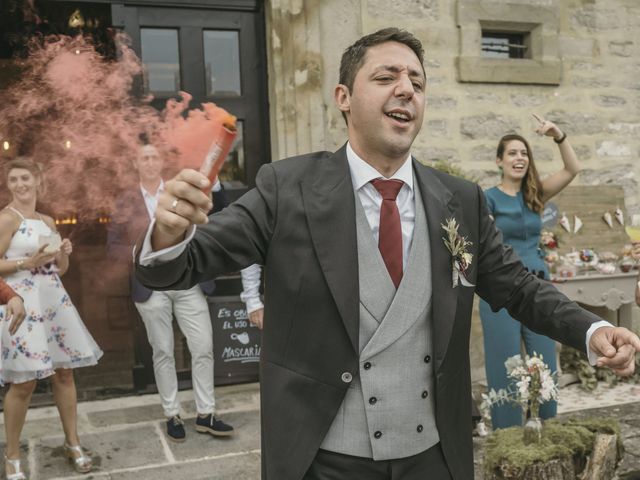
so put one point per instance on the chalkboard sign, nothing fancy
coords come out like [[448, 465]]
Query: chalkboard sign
[[236, 343]]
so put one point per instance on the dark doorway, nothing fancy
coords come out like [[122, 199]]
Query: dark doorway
[[217, 56]]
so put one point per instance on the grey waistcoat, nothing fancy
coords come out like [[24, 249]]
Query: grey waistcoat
[[388, 411]]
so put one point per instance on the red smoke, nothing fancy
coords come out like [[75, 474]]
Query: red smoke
[[74, 112], [191, 137]]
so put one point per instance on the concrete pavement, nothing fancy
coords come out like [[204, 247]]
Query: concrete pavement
[[127, 436]]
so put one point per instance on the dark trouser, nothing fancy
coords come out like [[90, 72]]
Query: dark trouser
[[428, 465]]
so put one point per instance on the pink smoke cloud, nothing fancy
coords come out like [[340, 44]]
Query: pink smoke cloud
[[74, 111], [191, 137]]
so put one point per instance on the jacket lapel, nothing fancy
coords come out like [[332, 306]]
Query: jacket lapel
[[440, 204], [329, 205]]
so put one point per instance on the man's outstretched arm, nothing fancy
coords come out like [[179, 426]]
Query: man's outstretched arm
[[504, 283]]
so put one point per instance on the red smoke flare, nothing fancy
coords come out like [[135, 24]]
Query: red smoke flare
[[74, 112]]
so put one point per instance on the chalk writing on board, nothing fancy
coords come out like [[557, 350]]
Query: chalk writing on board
[[241, 354]]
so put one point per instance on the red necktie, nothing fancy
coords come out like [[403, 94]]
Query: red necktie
[[390, 239]]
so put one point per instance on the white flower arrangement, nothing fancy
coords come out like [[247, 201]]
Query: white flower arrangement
[[534, 384]]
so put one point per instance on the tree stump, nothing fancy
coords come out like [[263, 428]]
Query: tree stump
[[577, 450], [602, 462]]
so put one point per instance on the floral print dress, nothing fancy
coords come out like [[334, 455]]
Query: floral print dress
[[52, 334]]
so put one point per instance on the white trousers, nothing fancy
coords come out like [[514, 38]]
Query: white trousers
[[192, 313]]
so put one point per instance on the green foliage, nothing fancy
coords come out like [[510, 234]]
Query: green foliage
[[607, 425], [574, 361]]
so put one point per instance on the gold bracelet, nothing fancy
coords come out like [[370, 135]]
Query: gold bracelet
[[19, 265]]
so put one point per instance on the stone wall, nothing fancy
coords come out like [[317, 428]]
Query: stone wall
[[597, 100]]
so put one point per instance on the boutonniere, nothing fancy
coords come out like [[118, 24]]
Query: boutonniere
[[460, 258]]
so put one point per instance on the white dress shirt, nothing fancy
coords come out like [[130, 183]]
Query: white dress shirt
[[361, 175], [151, 200], [250, 294]]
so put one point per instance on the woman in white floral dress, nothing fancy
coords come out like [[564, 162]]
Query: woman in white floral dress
[[52, 340]]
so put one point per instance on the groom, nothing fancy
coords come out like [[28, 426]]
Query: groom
[[365, 353]]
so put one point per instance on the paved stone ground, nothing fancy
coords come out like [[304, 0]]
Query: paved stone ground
[[128, 440], [573, 398]]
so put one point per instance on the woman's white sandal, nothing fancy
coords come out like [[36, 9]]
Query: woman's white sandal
[[78, 457], [17, 474]]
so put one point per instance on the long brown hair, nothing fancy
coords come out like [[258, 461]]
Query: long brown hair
[[531, 185]]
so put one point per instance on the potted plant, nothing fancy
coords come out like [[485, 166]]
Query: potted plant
[[533, 384]]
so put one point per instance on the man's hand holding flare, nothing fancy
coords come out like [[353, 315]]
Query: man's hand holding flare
[[185, 200], [182, 204]]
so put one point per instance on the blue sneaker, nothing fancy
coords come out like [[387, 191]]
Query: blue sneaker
[[175, 429], [210, 424]]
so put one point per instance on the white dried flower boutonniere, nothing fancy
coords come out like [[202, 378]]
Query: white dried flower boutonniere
[[460, 257]]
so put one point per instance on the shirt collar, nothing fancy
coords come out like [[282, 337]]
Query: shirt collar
[[362, 173], [148, 195]]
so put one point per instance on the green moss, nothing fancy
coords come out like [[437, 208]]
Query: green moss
[[562, 441], [607, 425], [577, 439], [558, 442]]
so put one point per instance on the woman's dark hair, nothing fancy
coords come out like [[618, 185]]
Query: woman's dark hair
[[531, 186]]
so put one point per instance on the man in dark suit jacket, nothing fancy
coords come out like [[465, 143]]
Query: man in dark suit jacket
[[309, 221], [132, 214]]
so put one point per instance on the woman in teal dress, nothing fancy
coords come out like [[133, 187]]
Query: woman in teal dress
[[516, 205]]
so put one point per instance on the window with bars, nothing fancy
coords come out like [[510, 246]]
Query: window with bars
[[513, 42], [505, 45]]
